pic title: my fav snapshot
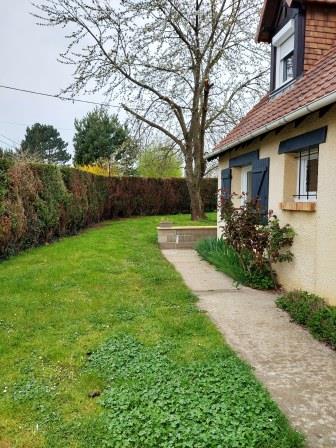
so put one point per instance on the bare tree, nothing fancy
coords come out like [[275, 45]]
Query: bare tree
[[186, 68]]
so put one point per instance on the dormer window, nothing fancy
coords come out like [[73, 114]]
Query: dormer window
[[288, 67], [284, 44]]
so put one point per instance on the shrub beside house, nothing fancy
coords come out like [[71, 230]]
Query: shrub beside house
[[282, 153], [311, 312], [251, 245]]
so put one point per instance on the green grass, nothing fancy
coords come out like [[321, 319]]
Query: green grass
[[103, 313], [210, 220]]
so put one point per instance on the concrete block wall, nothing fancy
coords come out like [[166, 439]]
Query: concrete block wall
[[184, 237]]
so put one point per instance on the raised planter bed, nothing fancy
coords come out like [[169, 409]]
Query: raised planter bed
[[183, 237]]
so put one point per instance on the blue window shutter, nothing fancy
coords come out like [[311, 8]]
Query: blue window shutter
[[260, 183], [244, 159], [226, 182], [304, 141]]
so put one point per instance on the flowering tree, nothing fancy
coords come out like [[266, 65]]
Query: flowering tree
[[187, 69]]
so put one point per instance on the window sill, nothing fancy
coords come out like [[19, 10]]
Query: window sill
[[298, 206], [282, 88]]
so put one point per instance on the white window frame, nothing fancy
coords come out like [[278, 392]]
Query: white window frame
[[284, 42], [244, 182], [302, 177]]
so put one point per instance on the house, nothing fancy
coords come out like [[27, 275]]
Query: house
[[284, 150]]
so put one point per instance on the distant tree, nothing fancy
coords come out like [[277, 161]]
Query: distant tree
[[100, 169], [159, 162], [100, 137], [44, 142], [126, 157]]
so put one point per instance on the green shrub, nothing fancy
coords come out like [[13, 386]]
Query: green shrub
[[258, 239], [39, 203], [312, 312], [227, 260]]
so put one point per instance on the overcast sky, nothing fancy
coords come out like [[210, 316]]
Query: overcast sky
[[28, 60]]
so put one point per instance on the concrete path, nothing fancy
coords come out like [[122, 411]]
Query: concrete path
[[298, 371]]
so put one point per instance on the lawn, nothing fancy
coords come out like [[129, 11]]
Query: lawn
[[102, 345]]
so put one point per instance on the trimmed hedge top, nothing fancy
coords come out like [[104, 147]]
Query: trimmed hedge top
[[39, 203]]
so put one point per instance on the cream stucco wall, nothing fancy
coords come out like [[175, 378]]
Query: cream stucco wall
[[314, 266]]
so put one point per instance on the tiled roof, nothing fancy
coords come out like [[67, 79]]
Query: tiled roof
[[314, 85]]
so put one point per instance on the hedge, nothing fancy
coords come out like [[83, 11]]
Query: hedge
[[39, 203], [313, 313]]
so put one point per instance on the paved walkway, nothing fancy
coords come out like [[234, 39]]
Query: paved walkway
[[299, 372]]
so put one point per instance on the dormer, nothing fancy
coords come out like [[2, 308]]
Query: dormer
[[300, 33]]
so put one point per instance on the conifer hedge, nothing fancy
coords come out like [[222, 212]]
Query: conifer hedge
[[39, 203]]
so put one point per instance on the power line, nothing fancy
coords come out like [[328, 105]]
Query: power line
[[13, 123], [9, 139], [63, 98], [5, 143]]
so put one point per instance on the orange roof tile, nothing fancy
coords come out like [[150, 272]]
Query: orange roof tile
[[318, 82]]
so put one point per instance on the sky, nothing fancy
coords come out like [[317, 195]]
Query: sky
[[28, 60]]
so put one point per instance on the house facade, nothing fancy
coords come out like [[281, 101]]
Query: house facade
[[283, 152]]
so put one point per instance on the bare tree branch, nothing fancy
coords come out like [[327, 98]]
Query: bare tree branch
[[154, 125]]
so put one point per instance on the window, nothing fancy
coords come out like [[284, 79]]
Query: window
[[307, 175], [288, 67], [284, 42], [246, 183]]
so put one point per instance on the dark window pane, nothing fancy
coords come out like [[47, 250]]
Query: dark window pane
[[312, 175], [288, 67]]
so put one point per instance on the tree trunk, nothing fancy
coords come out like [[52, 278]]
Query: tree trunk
[[196, 201], [194, 177], [197, 207]]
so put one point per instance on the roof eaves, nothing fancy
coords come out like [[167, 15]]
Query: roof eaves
[[298, 113], [267, 16]]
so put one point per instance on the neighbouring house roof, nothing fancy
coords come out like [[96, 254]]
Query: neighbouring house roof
[[316, 89], [269, 12]]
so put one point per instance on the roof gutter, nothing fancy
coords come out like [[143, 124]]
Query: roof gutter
[[302, 111]]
